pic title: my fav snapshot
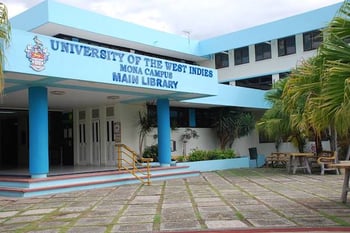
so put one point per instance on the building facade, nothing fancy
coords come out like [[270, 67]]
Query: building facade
[[73, 88]]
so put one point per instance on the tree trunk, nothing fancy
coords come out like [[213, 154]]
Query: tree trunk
[[318, 143], [348, 154], [333, 138]]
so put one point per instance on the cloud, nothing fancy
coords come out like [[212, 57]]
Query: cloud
[[195, 18]]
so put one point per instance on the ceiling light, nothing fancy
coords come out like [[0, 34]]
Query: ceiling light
[[112, 97], [57, 92]]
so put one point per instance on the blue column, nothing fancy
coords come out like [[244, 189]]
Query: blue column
[[163, 116], [38, 132]]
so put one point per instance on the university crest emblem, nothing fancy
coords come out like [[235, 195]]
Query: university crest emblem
[[37, 55]]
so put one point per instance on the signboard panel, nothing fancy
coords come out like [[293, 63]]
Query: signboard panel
[[48, 56]]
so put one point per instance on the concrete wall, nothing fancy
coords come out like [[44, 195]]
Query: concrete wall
[[275, 65]]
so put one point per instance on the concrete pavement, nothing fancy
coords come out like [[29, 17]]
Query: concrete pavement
[[241, 199]]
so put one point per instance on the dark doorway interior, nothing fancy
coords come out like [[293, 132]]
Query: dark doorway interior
[[61, 138], [14, 139], [9, 142]]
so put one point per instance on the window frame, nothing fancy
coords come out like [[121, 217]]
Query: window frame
[[314, 40], [260, 82], [241, 55], [222, 60], [262, 51], [283, 45]]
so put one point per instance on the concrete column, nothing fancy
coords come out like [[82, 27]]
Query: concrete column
[[38, 132], [163, 116]]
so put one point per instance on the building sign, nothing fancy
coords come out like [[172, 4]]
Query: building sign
[[37, 55], [133, 69], [71, 60]]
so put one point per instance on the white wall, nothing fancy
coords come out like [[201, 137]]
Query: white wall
[[128, 116], [254, 68], [206, 140]]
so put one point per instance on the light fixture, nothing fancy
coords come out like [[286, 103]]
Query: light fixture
[[6, 112], [57, 92], [112, 97]]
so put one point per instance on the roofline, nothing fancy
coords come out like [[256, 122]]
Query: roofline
[[316, 19], [48, 14]]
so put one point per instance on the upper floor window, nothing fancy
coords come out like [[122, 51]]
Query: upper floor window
[[262, 82], [262, 51], [221, 60], [241, 55], [286, 46], [284, 75], [312, 40]]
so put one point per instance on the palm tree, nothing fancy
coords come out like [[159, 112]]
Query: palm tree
[[275, 123], [317, 93], [301, 99], [335, 90], [5, 34]]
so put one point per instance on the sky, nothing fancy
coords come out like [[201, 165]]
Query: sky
[[195, 19]]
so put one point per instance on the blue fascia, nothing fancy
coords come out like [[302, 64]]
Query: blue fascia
[[235, 96], [51, 12]]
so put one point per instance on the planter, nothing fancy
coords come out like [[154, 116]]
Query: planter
[[215, 165]]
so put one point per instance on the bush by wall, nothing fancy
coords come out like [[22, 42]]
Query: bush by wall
[[151, 152], [201, 155]]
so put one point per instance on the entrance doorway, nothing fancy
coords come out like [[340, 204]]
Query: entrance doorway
[[14, 139], [60, 138], [9, 141]]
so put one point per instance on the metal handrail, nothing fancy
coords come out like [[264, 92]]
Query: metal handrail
[[133, 162]]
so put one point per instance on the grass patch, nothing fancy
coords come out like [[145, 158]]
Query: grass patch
[[157, 219]]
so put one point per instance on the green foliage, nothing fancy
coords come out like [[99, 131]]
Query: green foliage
[[145, 127], [231, 124], [151, 152], [196, 155], [201, 155], [5, 36], [181, 158]]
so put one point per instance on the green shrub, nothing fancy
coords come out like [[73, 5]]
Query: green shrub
[[200, 155], [181, 158], [151, 152], [196, 155]]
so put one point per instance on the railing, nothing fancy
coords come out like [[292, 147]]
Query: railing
[[132, 164]]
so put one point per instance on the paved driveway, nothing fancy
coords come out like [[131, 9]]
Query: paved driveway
[[232, 199]]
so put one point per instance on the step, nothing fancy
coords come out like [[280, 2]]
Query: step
[[28, 187]]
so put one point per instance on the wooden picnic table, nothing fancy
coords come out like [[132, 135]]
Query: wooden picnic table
[[346, 166], [277, 159], [299, 160]]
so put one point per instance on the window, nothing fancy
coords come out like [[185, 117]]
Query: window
[[221, 60], [204, 118], [284, 75], [241, 55], [286, 46], [262, 82], [312, 40], [262, 51], [179, 117]]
